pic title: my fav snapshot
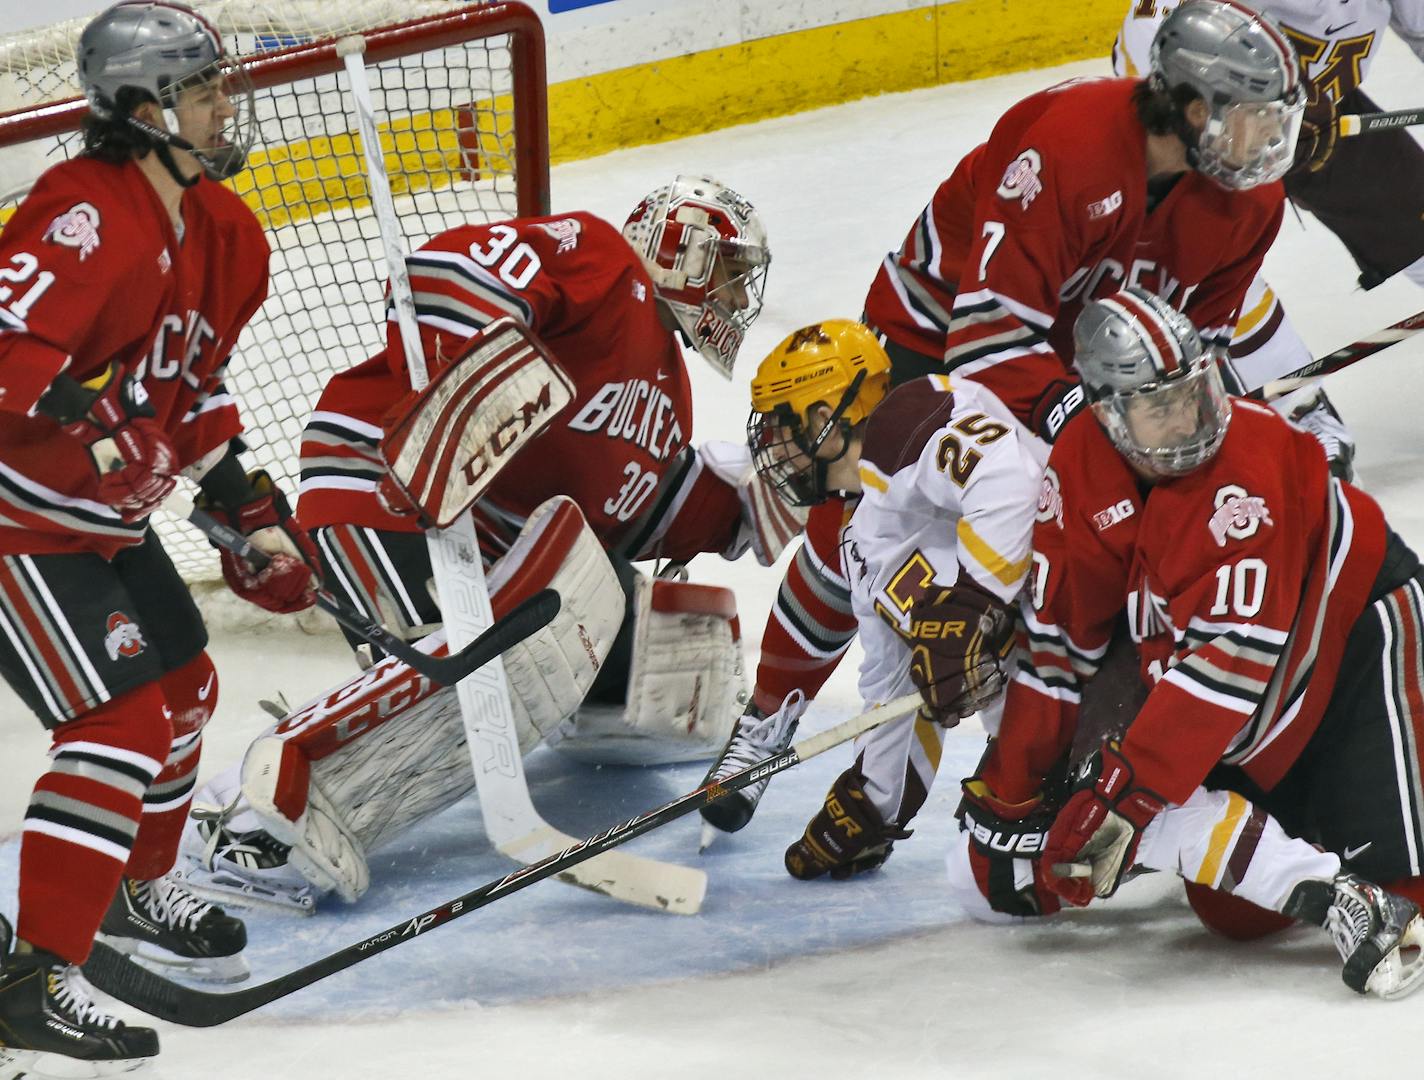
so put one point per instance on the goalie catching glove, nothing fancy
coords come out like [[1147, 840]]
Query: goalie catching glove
[[290, 579], [959, 639], [1100, 825]]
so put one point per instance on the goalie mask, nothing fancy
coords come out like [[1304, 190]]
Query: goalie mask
[[1245, 69], [170, 55], [838, 364], [1156, 391], [705, 249]]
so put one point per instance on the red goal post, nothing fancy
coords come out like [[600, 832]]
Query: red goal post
[[460, 97]]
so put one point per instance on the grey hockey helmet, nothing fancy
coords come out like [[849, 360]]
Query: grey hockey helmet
[[1155, 388], [1247, 72], [173, 56], [705, 249]]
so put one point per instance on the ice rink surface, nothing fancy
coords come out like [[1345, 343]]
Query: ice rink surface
[[877, 977]]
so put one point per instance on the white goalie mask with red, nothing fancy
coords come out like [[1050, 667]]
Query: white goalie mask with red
[[705, 249]]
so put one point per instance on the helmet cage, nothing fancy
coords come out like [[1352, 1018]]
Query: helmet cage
[[225, 156], [707, 268], [1136, 420], [784, 455]]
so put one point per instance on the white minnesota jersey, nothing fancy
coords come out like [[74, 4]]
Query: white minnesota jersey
[[1336, 39], [951, 483]]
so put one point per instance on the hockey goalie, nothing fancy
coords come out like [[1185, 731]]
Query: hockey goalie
[[559, 337]]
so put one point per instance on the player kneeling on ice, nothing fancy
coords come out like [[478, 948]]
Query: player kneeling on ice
[[1276, 620], [572, 331], [935, 552]]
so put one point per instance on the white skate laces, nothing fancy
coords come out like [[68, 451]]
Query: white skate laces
[[1379, 936], [757, 740], [166, 902], [70, 992]]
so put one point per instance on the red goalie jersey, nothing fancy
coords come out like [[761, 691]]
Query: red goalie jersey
[[1050, 212], [1241, 581], [91, 271], [621, 450]]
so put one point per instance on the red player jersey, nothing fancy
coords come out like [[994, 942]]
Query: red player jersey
[[1050, 212], [1241, 582], [92, 271], [620, 450]]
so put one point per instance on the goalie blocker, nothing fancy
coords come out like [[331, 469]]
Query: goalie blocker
[[351, 769]]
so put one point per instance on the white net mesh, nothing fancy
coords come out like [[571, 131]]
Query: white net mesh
[[446, 116]]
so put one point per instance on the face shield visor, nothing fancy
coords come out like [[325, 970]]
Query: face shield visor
[[1170, 427], [1251, 143]]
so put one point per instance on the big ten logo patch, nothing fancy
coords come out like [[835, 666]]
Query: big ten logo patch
[[1238, 515], [123, 637], [1021, 179], [1112, 515]]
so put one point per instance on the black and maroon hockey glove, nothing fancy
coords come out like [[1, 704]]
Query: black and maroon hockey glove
[[1094, 838], [290, 579], [111, 415], [847, 835], [1005, 842], [1319, 130], [960, 639]]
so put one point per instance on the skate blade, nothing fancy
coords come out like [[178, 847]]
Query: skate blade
[[709, 836], [1401, 972], [219, 970], [231, 891], [32, 1065]]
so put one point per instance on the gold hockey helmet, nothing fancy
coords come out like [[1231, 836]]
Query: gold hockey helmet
[[836, 363]]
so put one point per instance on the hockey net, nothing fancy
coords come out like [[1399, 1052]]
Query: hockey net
[[459, 92]]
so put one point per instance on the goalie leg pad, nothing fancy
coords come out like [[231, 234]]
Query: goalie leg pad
[[550, 673], [687, 682]]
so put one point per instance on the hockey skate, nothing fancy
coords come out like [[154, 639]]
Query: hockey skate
[[1310, 409], [50, 1027], [754, 739], [246, 869], [164, 927], [1380, 936]]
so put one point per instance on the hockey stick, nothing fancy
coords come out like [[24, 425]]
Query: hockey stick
[[511, 821], [116, 974], [1364, 123], [1352, 353], [528, 617]]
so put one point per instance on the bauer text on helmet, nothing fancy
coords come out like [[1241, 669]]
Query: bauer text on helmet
[[165, 53], [808, 396], [1246, 71], [705, 249], [1156, 391]]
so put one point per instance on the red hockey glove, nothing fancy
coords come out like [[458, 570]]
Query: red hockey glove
[[846, 836], [959, 640], [1005, 842], [289, 582], [1098, 828], [110, 414], [1319, 129]]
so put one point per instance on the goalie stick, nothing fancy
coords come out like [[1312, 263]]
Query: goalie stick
[[115, 974], [528, 617], [512, 823]]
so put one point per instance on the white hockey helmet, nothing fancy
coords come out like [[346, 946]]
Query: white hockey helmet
[[157, 51], [1246, 70], [705, 249], [1155, 389]]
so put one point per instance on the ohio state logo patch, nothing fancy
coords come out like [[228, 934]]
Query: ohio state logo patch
[[1238, 515], [1021, 180], [565, 231], [124, 637], [77, 227], [1050, 499]]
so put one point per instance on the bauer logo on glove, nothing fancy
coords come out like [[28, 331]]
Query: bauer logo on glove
[[959, 639]]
